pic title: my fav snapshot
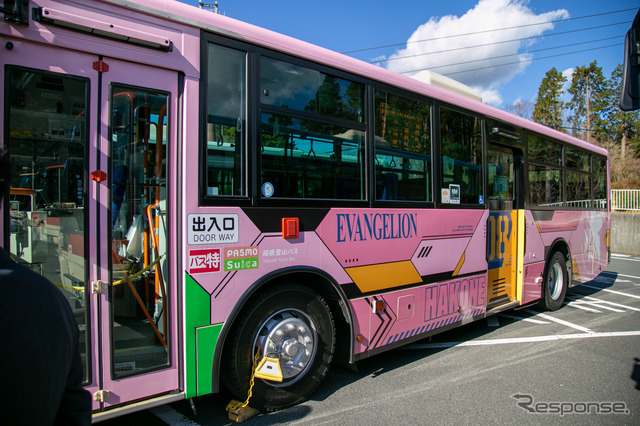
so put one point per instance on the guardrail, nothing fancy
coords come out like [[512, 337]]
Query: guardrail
[[625, 199], [596, 204]]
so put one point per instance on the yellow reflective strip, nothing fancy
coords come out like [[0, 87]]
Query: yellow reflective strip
[[520, 255], [384, 276], [460, 262], [576, 272]]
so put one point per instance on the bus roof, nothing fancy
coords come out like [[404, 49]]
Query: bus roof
[[226, 26]]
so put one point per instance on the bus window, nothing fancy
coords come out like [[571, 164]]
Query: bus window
[[545, 186], [542, 150], [308, 159], [576, 159], [461, 157], [578, 190], [225, 131], [599, 181], [291, 86], [402, 148]]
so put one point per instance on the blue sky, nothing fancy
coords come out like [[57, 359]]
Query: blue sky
[[463, 37]]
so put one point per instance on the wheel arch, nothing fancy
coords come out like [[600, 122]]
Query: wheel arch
[[315, 279]]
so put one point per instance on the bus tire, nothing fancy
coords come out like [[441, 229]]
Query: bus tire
[[555, 283], [292, 322]]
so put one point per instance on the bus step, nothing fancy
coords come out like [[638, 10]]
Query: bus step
[[503, 307], [498, 301]]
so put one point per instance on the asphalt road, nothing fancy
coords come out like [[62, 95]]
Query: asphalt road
[[577, 365]]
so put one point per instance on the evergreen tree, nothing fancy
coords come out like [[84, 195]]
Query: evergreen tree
[[588, 105], [549, 107], [624, 127], [521, 108]]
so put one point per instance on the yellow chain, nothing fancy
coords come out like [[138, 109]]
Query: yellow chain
[[253, 373]]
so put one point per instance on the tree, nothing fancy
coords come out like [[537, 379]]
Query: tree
[[624, 127], [588, 104], [549, 107], [521, 108]]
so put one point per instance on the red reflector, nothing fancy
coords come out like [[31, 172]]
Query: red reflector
[[98, 175], [101, 66], [379, 306], [290, 227]]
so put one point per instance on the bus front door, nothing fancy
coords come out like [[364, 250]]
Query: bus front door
[[137, 139], [91, 146], [504, 166]]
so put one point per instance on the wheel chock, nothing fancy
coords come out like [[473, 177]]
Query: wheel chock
[[238, 413], [269, 369]]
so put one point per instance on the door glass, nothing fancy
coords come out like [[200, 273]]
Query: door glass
[[47, 138], [138, 131], [500, 180]]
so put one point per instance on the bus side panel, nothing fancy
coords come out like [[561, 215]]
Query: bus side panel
[[228, 261], [439, 254], [532, 282], [417, 311], [533, 260], [589, 237], [585, 232]]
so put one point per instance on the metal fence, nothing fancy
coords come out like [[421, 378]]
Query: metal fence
[[625, 199]]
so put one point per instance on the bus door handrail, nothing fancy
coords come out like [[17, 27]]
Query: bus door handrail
[[139, 300]]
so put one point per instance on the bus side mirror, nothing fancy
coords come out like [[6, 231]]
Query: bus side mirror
[[630, 94]]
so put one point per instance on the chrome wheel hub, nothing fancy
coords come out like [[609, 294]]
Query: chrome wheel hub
[[556, 279], [289, 336]]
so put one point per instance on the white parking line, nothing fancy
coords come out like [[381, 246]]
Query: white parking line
[[610, 291], [559, 321], [575, 304], [578, 303], [535, 321], [629, 308], [489, 342], [626, 258], [617, 274], [629, 276]]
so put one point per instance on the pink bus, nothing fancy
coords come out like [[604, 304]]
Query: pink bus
[[214, 197]]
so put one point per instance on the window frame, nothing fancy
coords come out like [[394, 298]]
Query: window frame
[[437, 125], [430, 186], [564, 169], [254, 110], [204, 199], [259, 109]]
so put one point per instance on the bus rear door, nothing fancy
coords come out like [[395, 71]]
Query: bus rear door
[[504, 191]]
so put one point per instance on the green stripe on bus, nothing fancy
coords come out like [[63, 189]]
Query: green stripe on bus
[[206, 339], [197, 314]]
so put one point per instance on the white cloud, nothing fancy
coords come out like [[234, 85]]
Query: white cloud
[[568, 73], [479, 48], [491, 97]]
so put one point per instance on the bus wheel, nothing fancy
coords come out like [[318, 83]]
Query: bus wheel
[[555, 283], [289, 322]]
